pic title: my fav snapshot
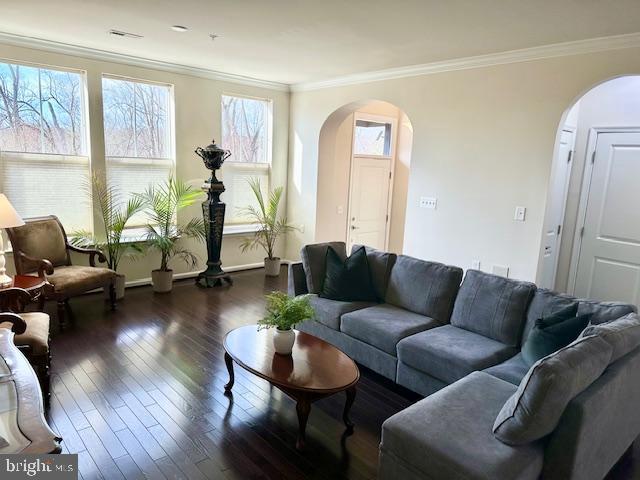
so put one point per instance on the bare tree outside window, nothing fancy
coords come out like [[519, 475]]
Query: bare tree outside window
[[41, 110], [245, 125], [136, 119]]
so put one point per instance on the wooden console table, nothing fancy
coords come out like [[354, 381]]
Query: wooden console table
[[23, 428]]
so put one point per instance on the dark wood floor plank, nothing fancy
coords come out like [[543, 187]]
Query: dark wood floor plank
[[152, 447], [139, 455], [106, 435], [100, 455]]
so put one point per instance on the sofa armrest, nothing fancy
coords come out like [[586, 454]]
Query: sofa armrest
[[449, 435], [297, 282]]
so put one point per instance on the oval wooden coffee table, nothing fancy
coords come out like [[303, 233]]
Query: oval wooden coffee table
[[314, 370]]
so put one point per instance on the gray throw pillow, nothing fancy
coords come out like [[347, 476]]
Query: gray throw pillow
[[314, 262], [623, 334], [534, 410]]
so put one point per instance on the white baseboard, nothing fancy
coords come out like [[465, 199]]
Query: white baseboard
[[181, 276]]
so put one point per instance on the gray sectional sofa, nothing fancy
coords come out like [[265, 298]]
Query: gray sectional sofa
[[458, 343]]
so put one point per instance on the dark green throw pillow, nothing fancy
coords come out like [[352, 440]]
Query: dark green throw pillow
[[560, 316], [348, 280], [552, 333]]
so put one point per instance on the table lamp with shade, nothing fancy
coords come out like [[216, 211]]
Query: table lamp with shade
[[9, 218]]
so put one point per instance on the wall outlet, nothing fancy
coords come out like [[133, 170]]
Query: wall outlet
[[339, 209], [475, 264], [501, 270], [428, 202], [520, 214]]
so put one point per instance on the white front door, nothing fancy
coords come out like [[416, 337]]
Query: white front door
[[372, 160], [368, 202], [609, 259], [555, 211]]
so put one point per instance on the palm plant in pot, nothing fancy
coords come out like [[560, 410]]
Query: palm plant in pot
[[284, 312], [114, 213], [164, 233], [270, 225]]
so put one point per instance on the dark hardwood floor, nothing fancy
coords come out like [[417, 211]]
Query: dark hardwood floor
[[138, 393]]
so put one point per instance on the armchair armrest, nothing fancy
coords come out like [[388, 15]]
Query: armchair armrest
[[44, 265], [19, 325], [92, 252], [14, 299]]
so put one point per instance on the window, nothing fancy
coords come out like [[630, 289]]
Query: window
[[246, 133], [138, 135], [44, 164], [372, 138]]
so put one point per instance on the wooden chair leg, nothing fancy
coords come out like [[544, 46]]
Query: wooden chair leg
[[112, 295], [62, 315]]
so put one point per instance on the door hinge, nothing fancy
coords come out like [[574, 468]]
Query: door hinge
[[582, 232], [559, 229], [387, 220], [389, 175], [570, 156], [593, 157]]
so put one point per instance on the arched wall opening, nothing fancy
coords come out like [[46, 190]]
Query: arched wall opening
[[610, 107], [335, 176]]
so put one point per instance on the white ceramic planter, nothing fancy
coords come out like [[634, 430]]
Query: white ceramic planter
[[283, 341], [272, 267], [162, 281]]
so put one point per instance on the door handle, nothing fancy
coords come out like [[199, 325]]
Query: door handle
[[353, 227]]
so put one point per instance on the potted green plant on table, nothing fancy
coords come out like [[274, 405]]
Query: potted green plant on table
[[284, 312], [269, 226], [114, 213], [164, 233]]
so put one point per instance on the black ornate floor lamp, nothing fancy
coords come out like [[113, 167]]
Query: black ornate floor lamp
[[213, 213]]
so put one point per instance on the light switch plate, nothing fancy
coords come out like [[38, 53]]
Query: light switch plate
[[501, 270], [428, 202], [520, 214]]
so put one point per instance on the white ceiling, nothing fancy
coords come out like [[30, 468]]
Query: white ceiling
[[294, 41]]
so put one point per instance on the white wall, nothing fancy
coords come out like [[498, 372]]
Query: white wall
[[615, 103], [483, 144], [197, 112], [334, 164]]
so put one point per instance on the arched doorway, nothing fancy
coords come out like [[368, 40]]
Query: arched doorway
[[364, 154], [591, 237]]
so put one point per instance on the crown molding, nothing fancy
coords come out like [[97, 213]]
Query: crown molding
[[513, 56], [103, 55]]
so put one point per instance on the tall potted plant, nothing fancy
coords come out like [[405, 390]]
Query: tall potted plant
[[284, 313], [164, 232], [270, 226], [114, 215]]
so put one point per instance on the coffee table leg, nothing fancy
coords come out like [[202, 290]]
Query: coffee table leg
[[351, 396], [229, 362], [303, 407]]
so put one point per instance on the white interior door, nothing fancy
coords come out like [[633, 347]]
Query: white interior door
[[609, 258], [372, 161], [368, 202], [555, 211]]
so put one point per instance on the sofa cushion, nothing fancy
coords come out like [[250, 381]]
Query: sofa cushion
[[545, 302], [449, 353], [427, 288], [328, 312], [623, 334], [448, 436], [492, 306], [383, 326], [313, 260], [535, 409], [512, 370], [348, 279], [380, 265], [546, 337], [604, 311]]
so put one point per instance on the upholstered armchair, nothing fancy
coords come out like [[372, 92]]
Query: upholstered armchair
[[40, 247], [31, 333]]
